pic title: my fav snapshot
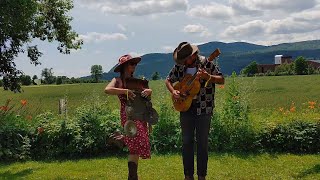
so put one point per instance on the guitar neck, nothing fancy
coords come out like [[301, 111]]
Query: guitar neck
[[215, 54]]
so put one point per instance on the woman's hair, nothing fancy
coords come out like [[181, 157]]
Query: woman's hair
[[122, 72]]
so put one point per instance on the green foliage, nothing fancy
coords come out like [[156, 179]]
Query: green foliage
[[21, 21], [25, 80], [169, 167], [47, 74], [300, 66], [295, 137], [312, 70], [1, 83], [59, 80], [166, 135], [155, 76], [284, 69], [83, 134], [96, 72], [251, 69], [234, 128], [15, 142], [231, 128]]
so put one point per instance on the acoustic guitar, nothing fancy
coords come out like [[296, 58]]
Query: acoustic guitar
[[189, 87]]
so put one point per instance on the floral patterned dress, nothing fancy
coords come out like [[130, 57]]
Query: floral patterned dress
[[139, 144]]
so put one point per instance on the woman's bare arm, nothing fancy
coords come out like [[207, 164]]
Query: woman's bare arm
[[113, 89]]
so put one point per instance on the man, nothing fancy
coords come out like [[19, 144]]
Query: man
[[196, 120]]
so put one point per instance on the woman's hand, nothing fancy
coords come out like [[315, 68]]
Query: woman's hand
[[146, 93], [150, 128], [130, 94]]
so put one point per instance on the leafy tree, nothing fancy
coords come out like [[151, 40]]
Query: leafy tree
[[300, 66], [59, 80], [34, 77], [155, 76], [284, 69], [311, 70], [21, 21], [1, 83], [47, 74], [96, 72], [25, 80], [251, 69]]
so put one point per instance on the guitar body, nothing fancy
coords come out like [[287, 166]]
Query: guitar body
[[187, 92]]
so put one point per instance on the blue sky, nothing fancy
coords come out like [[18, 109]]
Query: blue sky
[[111, 28]]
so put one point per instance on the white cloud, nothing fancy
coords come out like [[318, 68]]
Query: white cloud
[[213, 10], [301, 22], [235, 9], [287, 38], [308, 15], [197, 29], [137, 7], [135, 54], [249, 28], [194, 28], [99, 37], [168, 49], [284, 5]]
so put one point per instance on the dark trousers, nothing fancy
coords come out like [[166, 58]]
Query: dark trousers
[[192, 124]]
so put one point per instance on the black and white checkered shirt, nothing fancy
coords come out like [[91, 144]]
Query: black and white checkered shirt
[[205, 97]]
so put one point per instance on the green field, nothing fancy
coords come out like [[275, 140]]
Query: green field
[[220, 166], [266, 95]]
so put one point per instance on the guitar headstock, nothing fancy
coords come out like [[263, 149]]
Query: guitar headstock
[[215, 54]]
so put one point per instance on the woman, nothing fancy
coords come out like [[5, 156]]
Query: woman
[[139, 145]]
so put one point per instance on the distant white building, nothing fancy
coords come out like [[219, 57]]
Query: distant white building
[[281, 59], [277, 59]]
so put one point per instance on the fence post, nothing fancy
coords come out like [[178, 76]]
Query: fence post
[[63, 106]]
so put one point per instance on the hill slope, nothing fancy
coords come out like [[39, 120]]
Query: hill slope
[[234, 57]]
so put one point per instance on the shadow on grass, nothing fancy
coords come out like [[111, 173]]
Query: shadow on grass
[[314, 170], [17, 175], [119, 155]]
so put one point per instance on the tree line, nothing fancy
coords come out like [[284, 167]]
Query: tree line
[[47, 77], [298, 67]]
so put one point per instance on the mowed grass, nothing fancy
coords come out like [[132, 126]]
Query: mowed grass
[[169, 167]]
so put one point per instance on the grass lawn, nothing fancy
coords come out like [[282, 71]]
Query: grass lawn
[[221, 166]]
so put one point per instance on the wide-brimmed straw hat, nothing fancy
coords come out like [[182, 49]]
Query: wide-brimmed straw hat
[[183, 51], [126, 58]]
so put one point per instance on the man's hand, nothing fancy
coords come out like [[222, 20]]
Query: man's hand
[[203, 74], [176, 94]]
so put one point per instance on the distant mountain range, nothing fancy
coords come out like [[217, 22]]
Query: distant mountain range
[[234, 56]]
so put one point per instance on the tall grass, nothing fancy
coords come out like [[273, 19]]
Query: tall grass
[[267, 95]]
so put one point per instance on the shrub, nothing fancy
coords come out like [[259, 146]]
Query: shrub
[[84, 134], [15, 133], [295, 137], [166, 135], [231, 129]]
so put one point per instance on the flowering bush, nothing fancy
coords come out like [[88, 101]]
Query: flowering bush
[[15, 131]]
